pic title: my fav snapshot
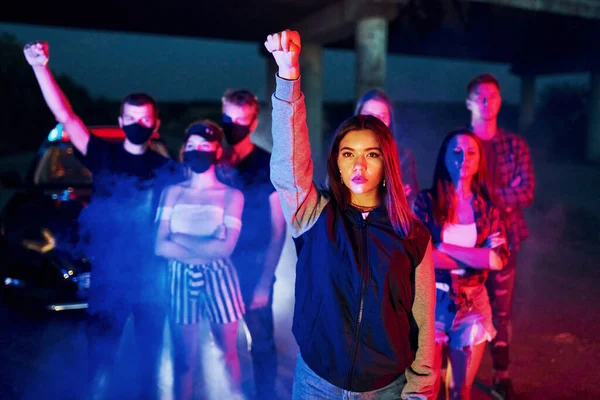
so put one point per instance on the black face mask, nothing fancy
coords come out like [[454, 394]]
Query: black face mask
[[234, 133], [137, 134], [199, 161]]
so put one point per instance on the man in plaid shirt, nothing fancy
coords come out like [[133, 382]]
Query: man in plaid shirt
[[511, 177]]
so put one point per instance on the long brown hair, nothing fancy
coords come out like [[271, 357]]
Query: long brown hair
[[392, 194], [379, 95], [443, 189]]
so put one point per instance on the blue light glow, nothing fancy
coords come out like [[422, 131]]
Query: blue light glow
[[56, 133]]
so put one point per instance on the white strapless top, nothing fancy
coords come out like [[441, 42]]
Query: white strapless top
[[197, 219], [464, 235]]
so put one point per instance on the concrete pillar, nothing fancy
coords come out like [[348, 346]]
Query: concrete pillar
[[262, 136], [311, 69], [271, 71], [593, 138], [527, 112], [371, 54]]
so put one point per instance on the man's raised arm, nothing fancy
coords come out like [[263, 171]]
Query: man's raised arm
[[37, 55]]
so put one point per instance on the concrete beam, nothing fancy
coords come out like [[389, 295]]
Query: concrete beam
[[575, 8], [371, 54], [593, 133], [311, 65], [272, 70], [527, 111], [265, 139], [553, 67], [337, 21]]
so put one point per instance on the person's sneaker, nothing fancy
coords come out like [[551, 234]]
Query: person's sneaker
[[504, 390]]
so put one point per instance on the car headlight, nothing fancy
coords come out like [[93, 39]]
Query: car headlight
[[13, 282]]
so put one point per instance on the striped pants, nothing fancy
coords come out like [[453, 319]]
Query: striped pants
[[205, 291]]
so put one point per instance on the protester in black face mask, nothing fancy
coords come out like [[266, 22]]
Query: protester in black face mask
[[125, 276], [235, 132], [199, 222], [137, 133], [199, 161], [261, 242]]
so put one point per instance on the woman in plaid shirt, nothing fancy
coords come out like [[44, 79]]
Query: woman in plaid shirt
[[469, 237]]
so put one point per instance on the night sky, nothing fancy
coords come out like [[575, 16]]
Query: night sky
[[110, 64]]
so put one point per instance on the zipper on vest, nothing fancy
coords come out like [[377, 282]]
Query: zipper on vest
[[364, 278]]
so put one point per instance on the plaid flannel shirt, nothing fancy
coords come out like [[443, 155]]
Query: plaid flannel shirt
[[488, 221], [514, 160]]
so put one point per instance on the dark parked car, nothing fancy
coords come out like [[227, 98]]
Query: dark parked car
[[40, 260]]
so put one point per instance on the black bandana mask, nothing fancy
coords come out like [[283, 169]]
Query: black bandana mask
[[234, 133], [199, 161], [137, 134]]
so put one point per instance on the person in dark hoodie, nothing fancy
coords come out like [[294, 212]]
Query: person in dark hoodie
[[365, 288]]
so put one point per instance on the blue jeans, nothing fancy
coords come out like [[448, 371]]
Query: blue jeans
[[464, 326], [310, 386]]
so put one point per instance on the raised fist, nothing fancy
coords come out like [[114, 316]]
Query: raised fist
[[285, 47], [37, 53]]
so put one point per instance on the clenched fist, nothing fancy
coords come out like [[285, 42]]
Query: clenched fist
[[37, 53], [285, 47]]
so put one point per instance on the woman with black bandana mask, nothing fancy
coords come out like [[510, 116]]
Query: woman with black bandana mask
[[199, 221]]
